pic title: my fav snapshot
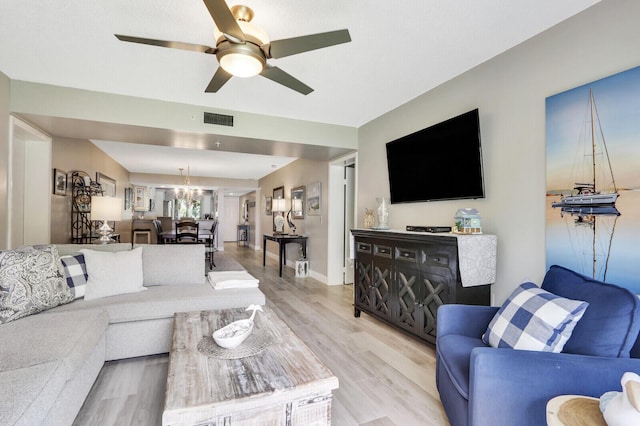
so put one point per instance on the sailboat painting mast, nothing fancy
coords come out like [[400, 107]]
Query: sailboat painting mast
[[588, 194], [593, 184]]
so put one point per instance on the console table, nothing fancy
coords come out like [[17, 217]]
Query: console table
[[403, 277], [243, 235], [282, 241]]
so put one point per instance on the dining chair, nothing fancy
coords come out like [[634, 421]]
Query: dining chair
[[187, 232], [210, 244], [158, 228]]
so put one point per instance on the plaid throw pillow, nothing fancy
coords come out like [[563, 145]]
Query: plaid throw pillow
[[534, 319], [75, 271]]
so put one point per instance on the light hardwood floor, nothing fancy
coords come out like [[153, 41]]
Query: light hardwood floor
[[386, 377]]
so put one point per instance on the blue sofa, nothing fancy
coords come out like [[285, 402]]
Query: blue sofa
[[482, 385]]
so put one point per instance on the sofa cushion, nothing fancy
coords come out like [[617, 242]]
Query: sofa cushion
[[29, 393], [30, 282], [185, 268], [73, 249], [164, 301], [611, 323], [75, 272], [111, 274], [534, 319], [65, 336], [455, 354]]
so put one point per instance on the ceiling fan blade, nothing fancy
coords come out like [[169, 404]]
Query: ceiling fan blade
[[292, 46], [172, 44], [218, 80], [224, 20], [281, 77]]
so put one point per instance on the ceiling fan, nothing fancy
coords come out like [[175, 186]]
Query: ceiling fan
[[242, 48]]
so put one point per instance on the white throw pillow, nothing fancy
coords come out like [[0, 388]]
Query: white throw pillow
[[113, 273]]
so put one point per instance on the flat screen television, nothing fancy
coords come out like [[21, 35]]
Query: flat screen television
[[441, 162]]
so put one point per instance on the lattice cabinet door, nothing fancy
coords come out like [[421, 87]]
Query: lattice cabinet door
[[381, 297], [362, 285], [434, 293], [408, 289]]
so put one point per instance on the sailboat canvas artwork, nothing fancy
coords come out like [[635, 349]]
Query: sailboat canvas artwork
[[593, 179]]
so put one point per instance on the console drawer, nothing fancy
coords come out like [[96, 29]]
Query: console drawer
[[382, 251], [407, 254]]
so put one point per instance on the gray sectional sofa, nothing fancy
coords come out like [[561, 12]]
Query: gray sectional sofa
[[50, 360]]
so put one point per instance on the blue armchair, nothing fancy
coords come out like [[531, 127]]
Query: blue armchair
[[481, 385]]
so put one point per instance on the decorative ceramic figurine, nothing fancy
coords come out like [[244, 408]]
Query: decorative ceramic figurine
[[623, 408], [232, 335], [369, 221]]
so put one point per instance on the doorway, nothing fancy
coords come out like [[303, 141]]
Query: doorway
[[230, 219], [30, 188], [341, 216]]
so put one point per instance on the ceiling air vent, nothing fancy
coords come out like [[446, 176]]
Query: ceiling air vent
[[219, 119]]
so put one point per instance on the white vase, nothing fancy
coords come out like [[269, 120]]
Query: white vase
[[383, 213]]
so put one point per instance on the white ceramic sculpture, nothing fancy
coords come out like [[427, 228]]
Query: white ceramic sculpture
[[232, 335], [623, 408]]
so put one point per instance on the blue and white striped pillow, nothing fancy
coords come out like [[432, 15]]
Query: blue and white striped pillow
[[75, 272], [534, 319]]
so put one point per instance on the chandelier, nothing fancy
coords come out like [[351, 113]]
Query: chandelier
[[187, 193]]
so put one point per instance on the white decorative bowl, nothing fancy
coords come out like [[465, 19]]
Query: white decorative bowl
[[232, 335]]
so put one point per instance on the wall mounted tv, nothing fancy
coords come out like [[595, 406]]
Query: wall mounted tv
[[441, 162]]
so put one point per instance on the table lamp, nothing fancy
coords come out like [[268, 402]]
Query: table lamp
[[278, 206], [106, 209]]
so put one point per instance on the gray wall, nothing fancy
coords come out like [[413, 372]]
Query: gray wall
[[79, 154], [510, 91], [5, 98], [297, 173]]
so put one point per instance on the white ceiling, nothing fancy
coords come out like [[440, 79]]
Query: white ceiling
[[205, 163], [399, 50]]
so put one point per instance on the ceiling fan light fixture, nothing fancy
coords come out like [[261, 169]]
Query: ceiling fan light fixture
[[244, 60]]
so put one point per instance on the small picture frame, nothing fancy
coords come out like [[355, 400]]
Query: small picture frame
[[139, 199], [267, 205], [128, 194], [59, 182], [314, 199], [108, 184]]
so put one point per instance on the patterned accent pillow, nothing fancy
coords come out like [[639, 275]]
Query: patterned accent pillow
[[75, 271], [30, 282], [534, 319]]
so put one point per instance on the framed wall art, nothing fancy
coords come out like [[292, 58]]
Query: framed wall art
[[278, 207], [267, 205], [297, 202], [139, 199], [592, 226], [314, 199], [108, 184], [59, 182], [128, 194]]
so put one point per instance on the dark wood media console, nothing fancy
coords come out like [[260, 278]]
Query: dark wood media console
[[403, 277]]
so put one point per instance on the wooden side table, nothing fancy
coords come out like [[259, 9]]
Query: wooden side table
[[243, 235], [282, 241], [574, 410]]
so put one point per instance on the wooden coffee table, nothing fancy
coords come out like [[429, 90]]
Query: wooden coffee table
[[285, 384]]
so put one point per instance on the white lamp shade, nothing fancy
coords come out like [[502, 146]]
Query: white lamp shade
[[106, 208], [278, 205]]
